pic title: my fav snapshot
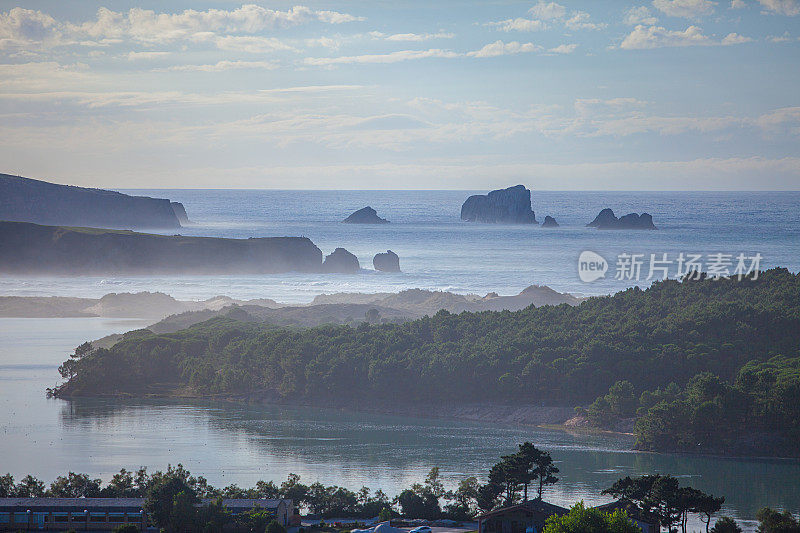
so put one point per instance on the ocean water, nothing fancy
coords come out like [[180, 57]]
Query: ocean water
[[440, 252]]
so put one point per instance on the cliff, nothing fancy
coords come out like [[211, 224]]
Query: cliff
[[511, 206], [33, 249], [40, 202], [180, 213]]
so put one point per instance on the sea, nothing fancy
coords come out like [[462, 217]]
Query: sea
[[440, 252], [242, 443]]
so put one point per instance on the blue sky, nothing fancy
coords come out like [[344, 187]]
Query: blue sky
[[659, 94]]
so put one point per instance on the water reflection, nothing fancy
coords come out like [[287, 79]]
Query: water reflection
[[244, 443]]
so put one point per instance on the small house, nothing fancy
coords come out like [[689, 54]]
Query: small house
[[526, 517], [647, 522]]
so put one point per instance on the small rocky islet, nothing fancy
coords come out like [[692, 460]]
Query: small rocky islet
[[513, 206]]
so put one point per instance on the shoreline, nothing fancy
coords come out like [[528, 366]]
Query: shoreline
[[506, 415], [513, 415]]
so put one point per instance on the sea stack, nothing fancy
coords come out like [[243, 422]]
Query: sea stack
[[365, 215], [607, 220], [509, 206], [388, 262], [549, 222], [341, 261]]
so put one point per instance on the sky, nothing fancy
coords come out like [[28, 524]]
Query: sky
[[436, 94]]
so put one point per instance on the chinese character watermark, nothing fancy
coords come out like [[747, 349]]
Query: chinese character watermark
[[691, 266]]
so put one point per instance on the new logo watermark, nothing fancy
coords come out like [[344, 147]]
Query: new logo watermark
[[591, 266], [637, 267]]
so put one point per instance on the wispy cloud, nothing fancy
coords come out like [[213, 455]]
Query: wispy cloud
[[392, 57], [132, 56], [639, 15], [690, 9], [495, 49], [26, 27], [224, 65], [499, 48], [563, 49], [789, 8], [414, 37]]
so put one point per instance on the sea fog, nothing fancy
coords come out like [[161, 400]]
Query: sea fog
[[440, 252]]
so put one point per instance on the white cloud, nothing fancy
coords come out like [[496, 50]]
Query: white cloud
[[495, 49], [735, 38], [224, 65], [393, 57], [548, 10], [685, 8], [544, 12], [519, 24], [738, 4], [499, 48], [325, 42], [785, 120], [782, 7], [581, 21], [563, 49], [146, 55], [418, 37], [648, 37], [639, 15], [20, 27], [785, 38], [44, 76], [252, 44]]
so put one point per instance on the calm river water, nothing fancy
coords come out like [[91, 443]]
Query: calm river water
[[233, 443]]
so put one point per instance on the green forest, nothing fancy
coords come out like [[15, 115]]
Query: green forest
[[740, 338]]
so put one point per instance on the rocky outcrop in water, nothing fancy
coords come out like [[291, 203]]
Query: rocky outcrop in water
[[33, 249], [341, 261], [387, 262], [40, 202], [365, 215], [549, 222], [607, 220], [510, 206]]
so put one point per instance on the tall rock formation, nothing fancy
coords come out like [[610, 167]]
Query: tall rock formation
[[510, 206], [388, 262], [341, 261]]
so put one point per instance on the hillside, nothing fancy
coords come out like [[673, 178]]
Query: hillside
[[669, 333], [32, 249], [41, 202]]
